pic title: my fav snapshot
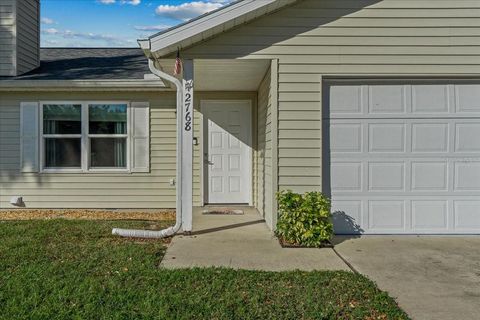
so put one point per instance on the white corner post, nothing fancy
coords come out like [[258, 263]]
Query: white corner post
[[187, 146]]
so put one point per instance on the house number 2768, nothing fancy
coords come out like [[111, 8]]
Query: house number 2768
[[188, 105]]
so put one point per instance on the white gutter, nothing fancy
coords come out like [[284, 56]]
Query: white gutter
[[132, 233], [142, 85]]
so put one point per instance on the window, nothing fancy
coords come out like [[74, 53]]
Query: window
[[85, 136], [107, 132], [62, 132]]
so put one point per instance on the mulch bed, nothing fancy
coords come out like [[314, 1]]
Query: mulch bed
[[86, 214], [286, 244]]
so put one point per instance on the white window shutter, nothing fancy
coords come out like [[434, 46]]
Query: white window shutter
[[29, 122], [140, 137]]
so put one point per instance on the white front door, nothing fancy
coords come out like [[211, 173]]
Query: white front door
[[227, 151]]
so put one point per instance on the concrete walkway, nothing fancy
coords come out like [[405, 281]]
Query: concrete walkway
[[242, 242], [431, 277]]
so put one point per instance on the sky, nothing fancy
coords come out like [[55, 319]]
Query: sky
[[114, 23]]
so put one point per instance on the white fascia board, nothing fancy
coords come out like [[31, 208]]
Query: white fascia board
[[144, 44], [172, 38]]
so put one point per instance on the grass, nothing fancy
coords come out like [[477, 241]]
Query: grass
[[64, 269]]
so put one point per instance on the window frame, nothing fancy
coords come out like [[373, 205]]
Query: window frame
[[85, 138]]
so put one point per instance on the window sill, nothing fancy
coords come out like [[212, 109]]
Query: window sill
[[80, 171], [108, 171]]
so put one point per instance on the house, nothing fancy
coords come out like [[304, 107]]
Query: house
[[374, 102]]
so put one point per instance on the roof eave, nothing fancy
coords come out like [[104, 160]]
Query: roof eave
[[194, 31], [145, 46], [84, 85]]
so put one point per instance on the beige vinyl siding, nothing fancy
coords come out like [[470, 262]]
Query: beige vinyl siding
[[101, 190], [28, 35], [19, 36], [116, 190], [9, 139], [312, 39], [7, 32], [263, 155], [265, 171]]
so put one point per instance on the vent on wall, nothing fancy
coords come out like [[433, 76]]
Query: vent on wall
[[17, 201]]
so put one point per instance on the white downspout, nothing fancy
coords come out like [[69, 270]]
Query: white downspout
[[132, 233]]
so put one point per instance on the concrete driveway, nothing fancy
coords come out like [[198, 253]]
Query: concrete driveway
[[431, 277]]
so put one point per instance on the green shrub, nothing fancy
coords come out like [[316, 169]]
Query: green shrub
[[304, 219]]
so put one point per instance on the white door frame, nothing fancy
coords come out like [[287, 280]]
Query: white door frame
[[204, 149]]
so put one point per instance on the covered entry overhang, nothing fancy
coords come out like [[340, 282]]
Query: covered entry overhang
[[219, 114], [216, 75], [223, 74]]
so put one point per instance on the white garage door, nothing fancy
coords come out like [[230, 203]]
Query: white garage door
[[403, 157]]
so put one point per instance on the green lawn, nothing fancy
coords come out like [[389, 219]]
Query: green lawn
[[64, 269]]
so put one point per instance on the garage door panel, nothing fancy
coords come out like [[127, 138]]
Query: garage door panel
[[431, 99], [430, 215], [346, 100], [386, 137], [411, 136], [467, 98], [408, 161], [386, 215], [429, 176], [467, 176], [403, 101], [347, 176], [430, 137], [422, 214], [346, 137], [388, 99], [467, 137], [347, 216], [466, 215], [386, 176]]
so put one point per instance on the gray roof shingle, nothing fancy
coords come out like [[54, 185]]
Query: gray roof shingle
[[88, 64]]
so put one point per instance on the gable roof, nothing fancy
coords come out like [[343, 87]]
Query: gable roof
[[88, 64], [209, 25]]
